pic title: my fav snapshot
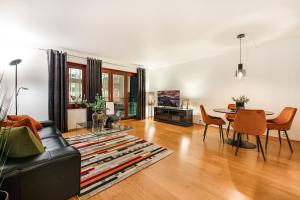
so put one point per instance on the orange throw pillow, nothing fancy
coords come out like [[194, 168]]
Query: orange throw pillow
[[22, 117], [25, 122]]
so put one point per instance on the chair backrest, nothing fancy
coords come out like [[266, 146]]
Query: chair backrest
[[205, 116], [231, 106], [110, 108], [251, 122], [286, 117]]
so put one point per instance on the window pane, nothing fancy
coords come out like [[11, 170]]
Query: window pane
[[75, 85], [105, 90], [118, 92]]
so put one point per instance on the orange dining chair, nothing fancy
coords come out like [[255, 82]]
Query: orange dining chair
[[211, 120], [230, 117], [250, 122], [282, 122]]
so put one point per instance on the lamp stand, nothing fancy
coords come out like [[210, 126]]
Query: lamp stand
[[15, 63]]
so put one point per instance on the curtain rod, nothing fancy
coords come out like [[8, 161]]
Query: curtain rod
[[102, 61]]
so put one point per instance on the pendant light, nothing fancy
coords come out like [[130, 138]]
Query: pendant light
[[240, 72]]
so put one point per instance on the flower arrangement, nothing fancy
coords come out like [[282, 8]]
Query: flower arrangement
[[240, 101]]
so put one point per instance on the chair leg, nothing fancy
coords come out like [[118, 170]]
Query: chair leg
[[220, 133], [262, 151], [238, 143], [279, 137], [228, 127], [287, 137], [221, 128], [247, 137], [257, 144], [233, 138], [205, 130], [266, 147]]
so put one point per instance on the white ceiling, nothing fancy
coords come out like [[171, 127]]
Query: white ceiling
[[149, 32]]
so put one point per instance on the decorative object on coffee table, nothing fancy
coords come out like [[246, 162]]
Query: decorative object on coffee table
[[240, 101], [99, 109]]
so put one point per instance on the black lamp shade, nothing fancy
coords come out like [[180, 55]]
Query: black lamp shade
[[15, 62]]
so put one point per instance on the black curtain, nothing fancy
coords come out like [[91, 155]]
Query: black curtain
[[141, 97], [57, 101], [94, 82]]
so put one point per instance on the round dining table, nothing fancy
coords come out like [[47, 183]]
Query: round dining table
[[244, 143]]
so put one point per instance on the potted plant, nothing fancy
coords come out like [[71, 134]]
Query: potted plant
[[5, 102], [75, 99], [99, 107], [240, 101]]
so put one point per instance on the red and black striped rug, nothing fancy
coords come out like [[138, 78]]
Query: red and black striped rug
[[108, 159]]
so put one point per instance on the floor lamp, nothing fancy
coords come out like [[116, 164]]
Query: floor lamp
[[151, 102], [15, 63]]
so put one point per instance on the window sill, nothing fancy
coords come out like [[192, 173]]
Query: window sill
[[71, 107]]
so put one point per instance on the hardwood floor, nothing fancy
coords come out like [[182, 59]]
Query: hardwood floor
[[208, 170]]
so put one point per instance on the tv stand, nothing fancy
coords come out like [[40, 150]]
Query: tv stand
[[172, 115]]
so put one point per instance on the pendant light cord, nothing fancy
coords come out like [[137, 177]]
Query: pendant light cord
[[240, 50]]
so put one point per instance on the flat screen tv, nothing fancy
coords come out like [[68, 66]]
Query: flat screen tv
[[168, 98]]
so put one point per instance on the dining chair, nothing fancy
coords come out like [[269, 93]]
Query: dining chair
[[212, 120], [282, 122], [250, 122], [230, 117]]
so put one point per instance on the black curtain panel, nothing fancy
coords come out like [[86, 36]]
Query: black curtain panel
[[94, 82], [57, 101], [141, 97]]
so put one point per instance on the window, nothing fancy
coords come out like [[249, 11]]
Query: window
[[76, 84], [120, 87]]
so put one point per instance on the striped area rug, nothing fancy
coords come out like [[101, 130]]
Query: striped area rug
[[110, 158]]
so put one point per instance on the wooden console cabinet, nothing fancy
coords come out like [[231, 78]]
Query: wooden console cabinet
[[177, 116]]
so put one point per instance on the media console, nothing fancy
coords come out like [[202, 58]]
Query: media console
[[177, 116]]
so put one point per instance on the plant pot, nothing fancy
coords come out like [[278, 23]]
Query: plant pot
[[239, 105], [3, 195]]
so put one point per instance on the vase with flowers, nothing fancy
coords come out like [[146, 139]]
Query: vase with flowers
[[99, 107], [240, 101]]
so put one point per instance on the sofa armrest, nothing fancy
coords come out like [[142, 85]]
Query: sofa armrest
[[47, 123]]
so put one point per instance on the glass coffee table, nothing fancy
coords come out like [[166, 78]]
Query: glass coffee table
[[98, 129]]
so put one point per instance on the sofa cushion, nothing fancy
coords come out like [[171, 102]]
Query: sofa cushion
[[50, 131], [20, 142], [24, 122], [22, 117]]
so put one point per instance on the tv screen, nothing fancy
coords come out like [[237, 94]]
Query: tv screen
[[168, 98]]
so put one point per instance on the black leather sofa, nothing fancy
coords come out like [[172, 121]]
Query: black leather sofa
[[52, 175]]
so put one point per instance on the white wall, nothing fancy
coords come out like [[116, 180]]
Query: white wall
[[272, 81]]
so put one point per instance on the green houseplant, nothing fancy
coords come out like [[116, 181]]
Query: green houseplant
[[99, 108], [5, 102], [240, 101]]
